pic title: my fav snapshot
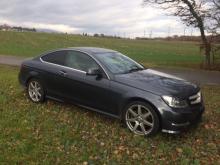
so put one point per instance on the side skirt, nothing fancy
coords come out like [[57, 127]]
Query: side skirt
[[86, 107], [55, 99], [99, 111]]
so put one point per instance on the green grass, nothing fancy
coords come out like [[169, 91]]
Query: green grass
[[55, 133], [149, 52]]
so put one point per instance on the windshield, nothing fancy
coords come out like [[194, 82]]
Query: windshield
[[117, 63]]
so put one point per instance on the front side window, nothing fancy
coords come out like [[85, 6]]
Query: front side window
[[80, 61]]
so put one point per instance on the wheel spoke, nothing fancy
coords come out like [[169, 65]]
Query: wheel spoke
[[38, 88], [133, 113], [34, 95], [147, 123], [132, 119], [37, 97], [142, 128], [135, 126], [35, 84], [139, 110], [38, 93], [146, 115], [32, 85], [30, 93]]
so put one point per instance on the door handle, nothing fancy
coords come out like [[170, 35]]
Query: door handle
[[62, 73]]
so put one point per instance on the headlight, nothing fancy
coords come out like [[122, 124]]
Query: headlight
[[195, 99], [175, 102]]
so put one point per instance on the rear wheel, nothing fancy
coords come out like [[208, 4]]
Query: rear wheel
[[141, 118], [35, 91]]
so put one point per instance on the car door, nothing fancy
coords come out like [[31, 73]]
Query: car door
[[52, 65], [92, 91], [56, 75], [97, 92]]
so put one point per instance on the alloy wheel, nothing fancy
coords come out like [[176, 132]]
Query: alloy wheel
[[35, 91], [139, 119]]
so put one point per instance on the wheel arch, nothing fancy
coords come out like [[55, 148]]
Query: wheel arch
[[32, 74], [133, 99]]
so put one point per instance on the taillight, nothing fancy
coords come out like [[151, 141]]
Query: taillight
[[22, 66]]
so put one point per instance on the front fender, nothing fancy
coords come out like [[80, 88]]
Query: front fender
[[148, 97]]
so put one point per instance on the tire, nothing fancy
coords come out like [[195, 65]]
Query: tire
[[141, 118], [35, 91]]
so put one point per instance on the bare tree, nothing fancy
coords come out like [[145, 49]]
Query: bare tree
[[215, 27], [215, 15], [194, 13]]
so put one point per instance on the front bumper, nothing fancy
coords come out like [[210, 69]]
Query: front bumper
[[176, 121]]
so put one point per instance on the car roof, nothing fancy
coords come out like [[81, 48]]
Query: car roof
[[92, 50], [88, 50]]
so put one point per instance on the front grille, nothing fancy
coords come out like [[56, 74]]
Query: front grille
[[195, 99]]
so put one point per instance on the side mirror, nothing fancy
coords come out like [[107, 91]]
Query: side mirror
[[94, 72]]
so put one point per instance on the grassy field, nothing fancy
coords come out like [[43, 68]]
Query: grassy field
[[147, 52], [55, 133]]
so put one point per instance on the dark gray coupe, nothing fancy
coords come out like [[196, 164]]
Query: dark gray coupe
[[108, 82]]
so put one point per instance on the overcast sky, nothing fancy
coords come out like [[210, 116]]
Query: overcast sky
[[113, 17]]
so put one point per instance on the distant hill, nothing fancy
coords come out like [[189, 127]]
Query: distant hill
[[47, 30]]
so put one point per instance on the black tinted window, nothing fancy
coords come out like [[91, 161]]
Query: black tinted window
[[57, 57], [80, 61]]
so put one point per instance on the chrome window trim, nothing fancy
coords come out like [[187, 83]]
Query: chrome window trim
[[73, 68], [66, 67]]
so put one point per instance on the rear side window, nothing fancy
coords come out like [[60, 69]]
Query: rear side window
[[57, 57]]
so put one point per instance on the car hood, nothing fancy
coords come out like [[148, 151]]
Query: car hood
[[158, 83]]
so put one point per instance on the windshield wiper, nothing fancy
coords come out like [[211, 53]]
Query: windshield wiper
[[135, 69]]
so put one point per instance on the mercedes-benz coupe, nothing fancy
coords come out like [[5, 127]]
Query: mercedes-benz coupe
[[111, 83]]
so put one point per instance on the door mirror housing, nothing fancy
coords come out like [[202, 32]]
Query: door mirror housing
[[94, 72]]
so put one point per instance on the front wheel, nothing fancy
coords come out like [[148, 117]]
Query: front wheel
[[141, 118], [35, 91]]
